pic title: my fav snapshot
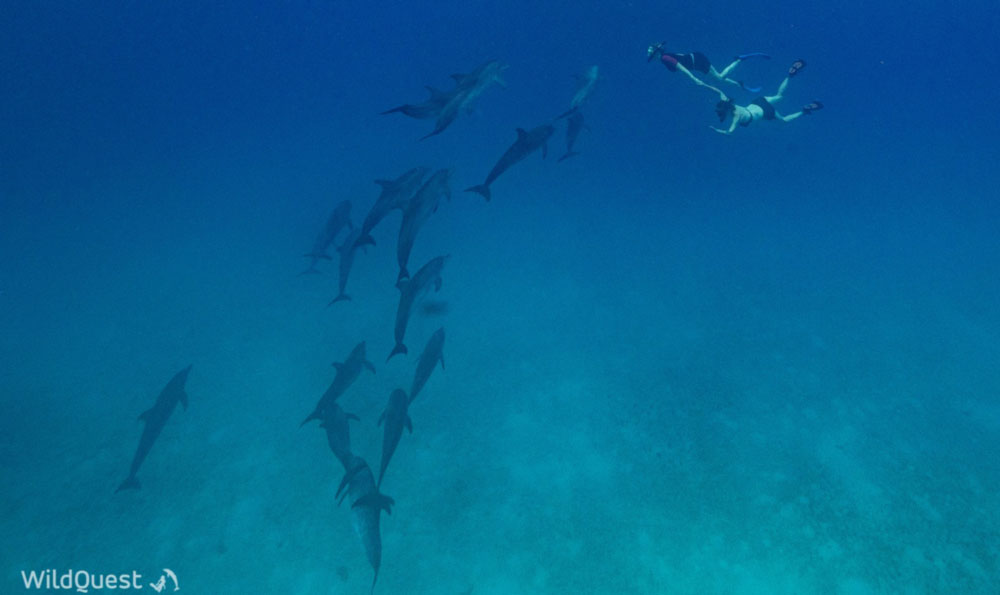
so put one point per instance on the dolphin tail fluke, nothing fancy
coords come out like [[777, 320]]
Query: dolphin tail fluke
[[568, 155], [430, 134], [340, 298], [132, 483], [399, 348], [366, 239], [480, 189]]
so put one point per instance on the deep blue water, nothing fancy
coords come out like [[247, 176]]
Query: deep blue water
[[676, 363]]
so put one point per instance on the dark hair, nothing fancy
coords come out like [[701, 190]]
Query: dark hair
[[724, 108]]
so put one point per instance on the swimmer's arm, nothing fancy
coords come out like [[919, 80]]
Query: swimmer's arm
[[732, 127]]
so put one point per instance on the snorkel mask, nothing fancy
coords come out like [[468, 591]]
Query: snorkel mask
[[654, 51]]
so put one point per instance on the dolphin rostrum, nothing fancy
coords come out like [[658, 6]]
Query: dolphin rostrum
[[410, 291], [347, 373], [367, 504], [432, 354], [396, 418], [527, 142], [419, 209], [156, 417], [338, 219]]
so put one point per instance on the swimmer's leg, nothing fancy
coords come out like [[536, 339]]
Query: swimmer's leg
[[781, 92]]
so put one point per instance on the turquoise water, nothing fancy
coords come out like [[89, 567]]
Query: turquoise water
[[676, 363]]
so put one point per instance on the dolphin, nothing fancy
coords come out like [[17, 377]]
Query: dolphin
[[419, 209], [468, 88], [395, 194], [585, 86], [156, 417], [367, 504], [396, 418], [527, 142], [338, 432], [351, 244], [432, 354], [338, 219], [428, 109], [347, 373], [573, 127], [410, 291]]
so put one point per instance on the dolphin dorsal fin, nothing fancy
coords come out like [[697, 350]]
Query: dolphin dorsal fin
[[436, 93], [384, 183], [521, 133], [458, 77]]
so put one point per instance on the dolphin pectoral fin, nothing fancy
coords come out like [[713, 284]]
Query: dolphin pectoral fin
[[348, 476], [144, 415], [184, 399], [442, 361], [384, 183], [458, 77], [337, 365], [369, 365], [521, 133], [409, 424], [567, 156]]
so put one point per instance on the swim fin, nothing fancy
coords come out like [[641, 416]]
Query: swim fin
[[751, 89], [754, 55]]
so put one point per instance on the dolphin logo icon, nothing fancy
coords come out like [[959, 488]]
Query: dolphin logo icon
[[162, 583]]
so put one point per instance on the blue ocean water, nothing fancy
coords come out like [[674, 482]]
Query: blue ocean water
[[678, 362]]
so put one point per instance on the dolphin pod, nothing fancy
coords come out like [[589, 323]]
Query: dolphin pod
[[416, 193]]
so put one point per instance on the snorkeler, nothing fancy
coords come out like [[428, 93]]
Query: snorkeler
[[699, 62], [761, 108]]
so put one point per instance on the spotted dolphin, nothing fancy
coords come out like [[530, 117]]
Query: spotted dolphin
[[347, 373], [338, 220], [527, 143], [432, 354], [574, 124], [585, 86], [156, 417], [410, 291], [395, 195], [468, 88], [336, 422], [347, 250], [417, 212], [367, 504], [396, 417]]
